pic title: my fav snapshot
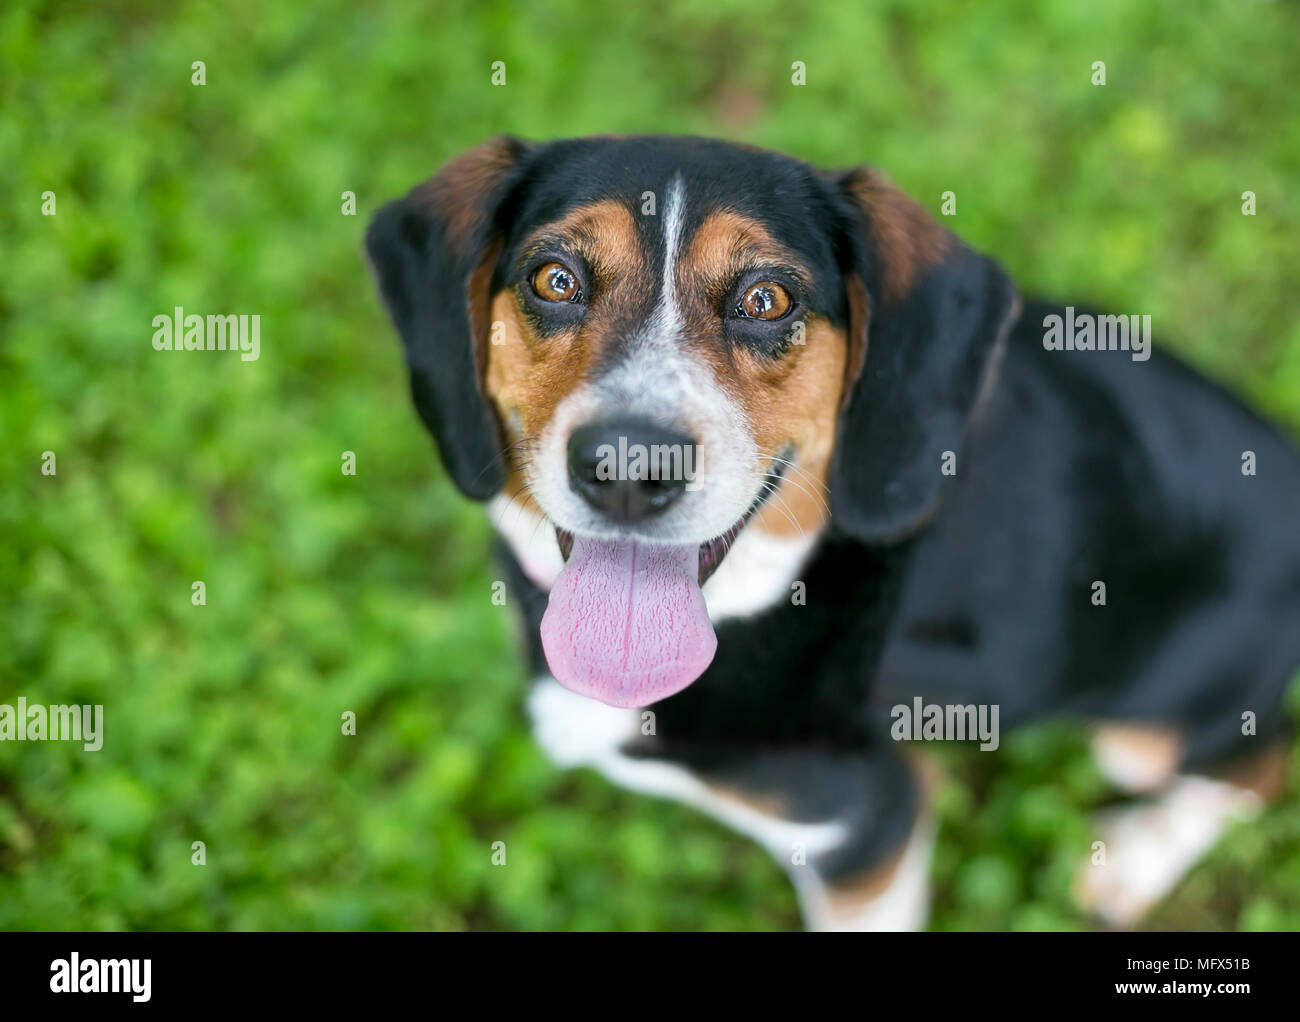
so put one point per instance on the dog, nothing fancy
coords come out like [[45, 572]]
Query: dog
[[904, 491]]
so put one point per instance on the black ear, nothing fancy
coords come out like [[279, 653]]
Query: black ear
[[434, 254], [927, 320]]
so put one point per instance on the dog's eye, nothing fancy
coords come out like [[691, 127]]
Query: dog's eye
[[764, 301], [555, 282]]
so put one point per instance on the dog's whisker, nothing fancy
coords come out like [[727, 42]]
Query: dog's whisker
[[812, 495], [541, 520], [798, 471], [771, 495], [794, 466], [499, 514], [817, 500], [784, 508]]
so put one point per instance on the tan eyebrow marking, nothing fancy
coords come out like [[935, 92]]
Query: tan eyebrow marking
[[603, 232], [728, 242]]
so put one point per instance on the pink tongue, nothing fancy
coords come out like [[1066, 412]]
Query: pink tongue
[[626, 623]]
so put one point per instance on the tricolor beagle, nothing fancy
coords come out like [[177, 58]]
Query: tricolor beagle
[[777, 459]]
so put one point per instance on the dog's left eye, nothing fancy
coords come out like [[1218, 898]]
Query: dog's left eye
[[555, 282], [765, 300]]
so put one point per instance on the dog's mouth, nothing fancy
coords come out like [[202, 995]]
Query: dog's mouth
[[711, 551], [626, 622]]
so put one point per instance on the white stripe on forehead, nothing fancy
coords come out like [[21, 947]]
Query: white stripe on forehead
[[666, 323], [660, 375], [674, 212], [654, 375]]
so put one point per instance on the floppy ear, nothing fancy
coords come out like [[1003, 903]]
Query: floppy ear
[[927, 321], [434, 254]]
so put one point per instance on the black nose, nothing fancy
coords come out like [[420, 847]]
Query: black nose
[[630, 469]]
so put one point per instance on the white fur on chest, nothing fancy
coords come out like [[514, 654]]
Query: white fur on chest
[[757, 572]]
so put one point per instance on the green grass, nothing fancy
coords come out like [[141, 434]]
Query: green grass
[[371, 593]]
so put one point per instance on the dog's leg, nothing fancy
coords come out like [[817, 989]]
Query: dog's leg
[[867, 871], [892, 897], [1145, 849]]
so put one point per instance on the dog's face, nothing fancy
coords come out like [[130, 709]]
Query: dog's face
[[659, 342], [685, 294]]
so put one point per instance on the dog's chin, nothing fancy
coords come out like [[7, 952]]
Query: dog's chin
[[712, 551]]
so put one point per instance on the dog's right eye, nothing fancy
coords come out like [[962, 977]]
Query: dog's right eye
[[555, 282], [766, 301]]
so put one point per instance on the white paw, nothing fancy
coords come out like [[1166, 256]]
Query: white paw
[[1147, 848]]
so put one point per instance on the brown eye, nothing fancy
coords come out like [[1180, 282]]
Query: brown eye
[[764, 301], [555, 282]]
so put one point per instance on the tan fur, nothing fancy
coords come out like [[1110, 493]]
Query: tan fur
[[459, 191], [905, 238], [725, 242], [847, 897], [856, 339], [792, 400], [527, 376], [767, 805], [1264, 774], [480, 282], [1152, 752], [795, 401], [606, 234]]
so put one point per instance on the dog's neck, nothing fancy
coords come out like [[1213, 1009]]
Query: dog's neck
[[759, 571]]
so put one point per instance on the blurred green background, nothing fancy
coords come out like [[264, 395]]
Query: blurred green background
[[371, 593]]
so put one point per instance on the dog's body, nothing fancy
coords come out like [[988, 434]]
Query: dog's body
[[909, 496]]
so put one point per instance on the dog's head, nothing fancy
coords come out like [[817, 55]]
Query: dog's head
[[659, 342]]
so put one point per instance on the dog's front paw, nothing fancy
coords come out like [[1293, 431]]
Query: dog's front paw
[[1145, 849]]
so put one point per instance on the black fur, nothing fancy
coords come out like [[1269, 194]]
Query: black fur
[[928, 358], [424, 277]]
